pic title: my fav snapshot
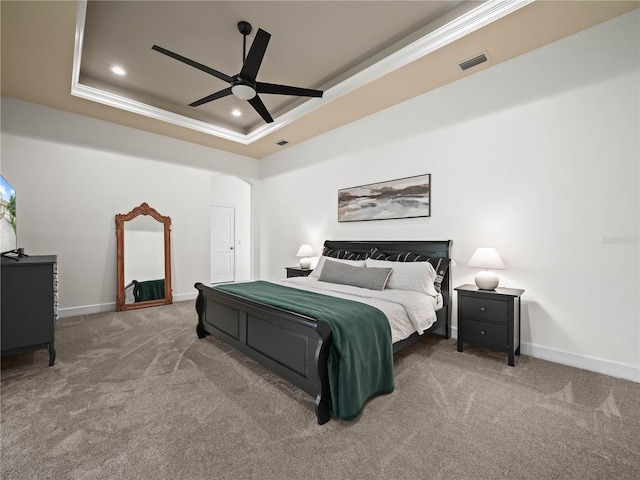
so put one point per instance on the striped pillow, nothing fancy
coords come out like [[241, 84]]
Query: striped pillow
[[376, 254], [343, 254]]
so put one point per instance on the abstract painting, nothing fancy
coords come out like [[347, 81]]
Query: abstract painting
[[401, 198]]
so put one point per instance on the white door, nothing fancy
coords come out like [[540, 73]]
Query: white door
[[223, 254]]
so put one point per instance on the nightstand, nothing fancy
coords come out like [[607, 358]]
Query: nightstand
[[490, 318], [298, 272]]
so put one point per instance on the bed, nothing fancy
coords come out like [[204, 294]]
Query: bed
[[294, 343]]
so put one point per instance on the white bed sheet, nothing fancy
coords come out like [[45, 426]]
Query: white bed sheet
[[407, 312]]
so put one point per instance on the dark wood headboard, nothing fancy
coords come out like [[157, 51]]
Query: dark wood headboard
[[431, 248]]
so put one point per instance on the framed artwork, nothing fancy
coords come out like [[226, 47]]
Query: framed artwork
[[402, 198]]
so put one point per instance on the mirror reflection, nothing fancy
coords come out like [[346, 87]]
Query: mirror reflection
[[143, 260], [144, 263]]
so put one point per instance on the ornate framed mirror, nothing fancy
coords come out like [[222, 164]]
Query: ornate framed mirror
[[144, 259]]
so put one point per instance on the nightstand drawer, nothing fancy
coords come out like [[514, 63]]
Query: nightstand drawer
[[485, 309], [484, 333]]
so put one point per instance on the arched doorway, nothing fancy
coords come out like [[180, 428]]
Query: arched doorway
[[230, 229]]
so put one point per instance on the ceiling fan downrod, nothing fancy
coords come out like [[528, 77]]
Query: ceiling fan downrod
[[245, 29]]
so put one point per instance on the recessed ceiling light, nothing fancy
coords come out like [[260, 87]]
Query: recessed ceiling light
[[236, 113], [118, 70]]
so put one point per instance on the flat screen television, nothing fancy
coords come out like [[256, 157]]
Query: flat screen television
[[8, 222]]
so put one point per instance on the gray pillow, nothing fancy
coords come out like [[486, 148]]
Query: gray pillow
[[365, 277]]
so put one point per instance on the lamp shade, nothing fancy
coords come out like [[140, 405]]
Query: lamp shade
[[305, 251], [486, 257]]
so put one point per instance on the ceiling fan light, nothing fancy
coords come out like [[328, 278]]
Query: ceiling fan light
[[243, 92]]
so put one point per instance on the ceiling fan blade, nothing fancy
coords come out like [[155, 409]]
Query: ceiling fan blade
[[254, 57], [287, 90], [194, 64], [257, 104], [212, 97]]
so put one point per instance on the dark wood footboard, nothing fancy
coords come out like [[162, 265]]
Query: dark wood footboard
[[292, 345]]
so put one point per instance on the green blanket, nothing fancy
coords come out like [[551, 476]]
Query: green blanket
[[361, 354]]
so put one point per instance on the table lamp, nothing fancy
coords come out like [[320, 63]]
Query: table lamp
[[305, 251], [486, 257]]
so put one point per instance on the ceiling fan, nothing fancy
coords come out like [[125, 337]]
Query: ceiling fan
[[244, 85]]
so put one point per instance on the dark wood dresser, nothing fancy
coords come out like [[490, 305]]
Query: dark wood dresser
[[29, 304]]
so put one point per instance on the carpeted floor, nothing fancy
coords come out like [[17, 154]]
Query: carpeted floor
[[135, 395]]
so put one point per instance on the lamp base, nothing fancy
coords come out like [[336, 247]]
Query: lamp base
[[487, 280], [305, 263]]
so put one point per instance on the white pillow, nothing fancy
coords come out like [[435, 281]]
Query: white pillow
[[412, 276], [318, 269]]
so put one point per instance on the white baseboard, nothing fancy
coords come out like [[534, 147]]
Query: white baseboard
[[586, 362], [86, 310], [183, 297], [111, 307]]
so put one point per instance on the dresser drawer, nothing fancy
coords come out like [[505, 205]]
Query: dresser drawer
[[484, 333], [485, 309]]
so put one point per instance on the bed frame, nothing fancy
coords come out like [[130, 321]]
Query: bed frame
[[295, 346]]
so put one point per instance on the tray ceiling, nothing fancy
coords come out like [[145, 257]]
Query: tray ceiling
[[365, 56]]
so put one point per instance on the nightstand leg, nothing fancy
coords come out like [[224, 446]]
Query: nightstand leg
[[52, 353], [459, 343], [511, 359]]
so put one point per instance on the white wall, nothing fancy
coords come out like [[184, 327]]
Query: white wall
[[73, 174], [537, 157]]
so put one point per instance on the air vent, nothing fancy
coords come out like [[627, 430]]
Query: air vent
[[473, 61], [282, 142]]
